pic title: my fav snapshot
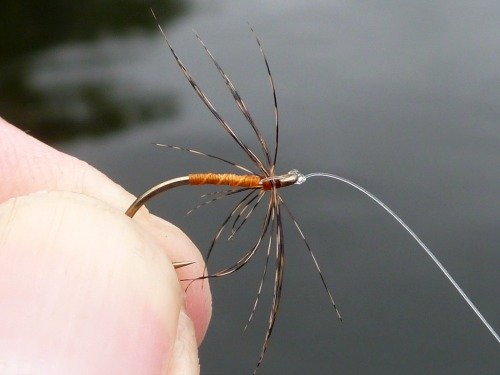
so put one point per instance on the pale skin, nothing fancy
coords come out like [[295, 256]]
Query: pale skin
[[84, 289]]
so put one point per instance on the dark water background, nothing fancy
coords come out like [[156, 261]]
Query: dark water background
[[402, 97]]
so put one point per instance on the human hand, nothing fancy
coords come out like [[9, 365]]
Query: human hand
[[83, 288]]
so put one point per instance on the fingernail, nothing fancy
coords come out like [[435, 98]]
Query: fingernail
[[185, 353]]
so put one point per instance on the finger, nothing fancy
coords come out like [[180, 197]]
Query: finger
[[28, 165], [84, 289], [185, 353], [178, 246]]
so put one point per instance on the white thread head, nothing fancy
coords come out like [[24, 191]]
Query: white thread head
[[300, 177]]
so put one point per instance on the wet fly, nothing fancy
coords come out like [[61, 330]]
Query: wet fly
[[256, 183]]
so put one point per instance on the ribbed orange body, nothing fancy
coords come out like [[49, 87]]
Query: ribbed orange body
[[229, 179]]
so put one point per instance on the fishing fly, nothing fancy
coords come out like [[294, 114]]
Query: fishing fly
[[260, 181]]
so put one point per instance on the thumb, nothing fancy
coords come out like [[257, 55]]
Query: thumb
[[85, 290]]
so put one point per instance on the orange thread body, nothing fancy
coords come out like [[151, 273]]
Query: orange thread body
[[229, 179]]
